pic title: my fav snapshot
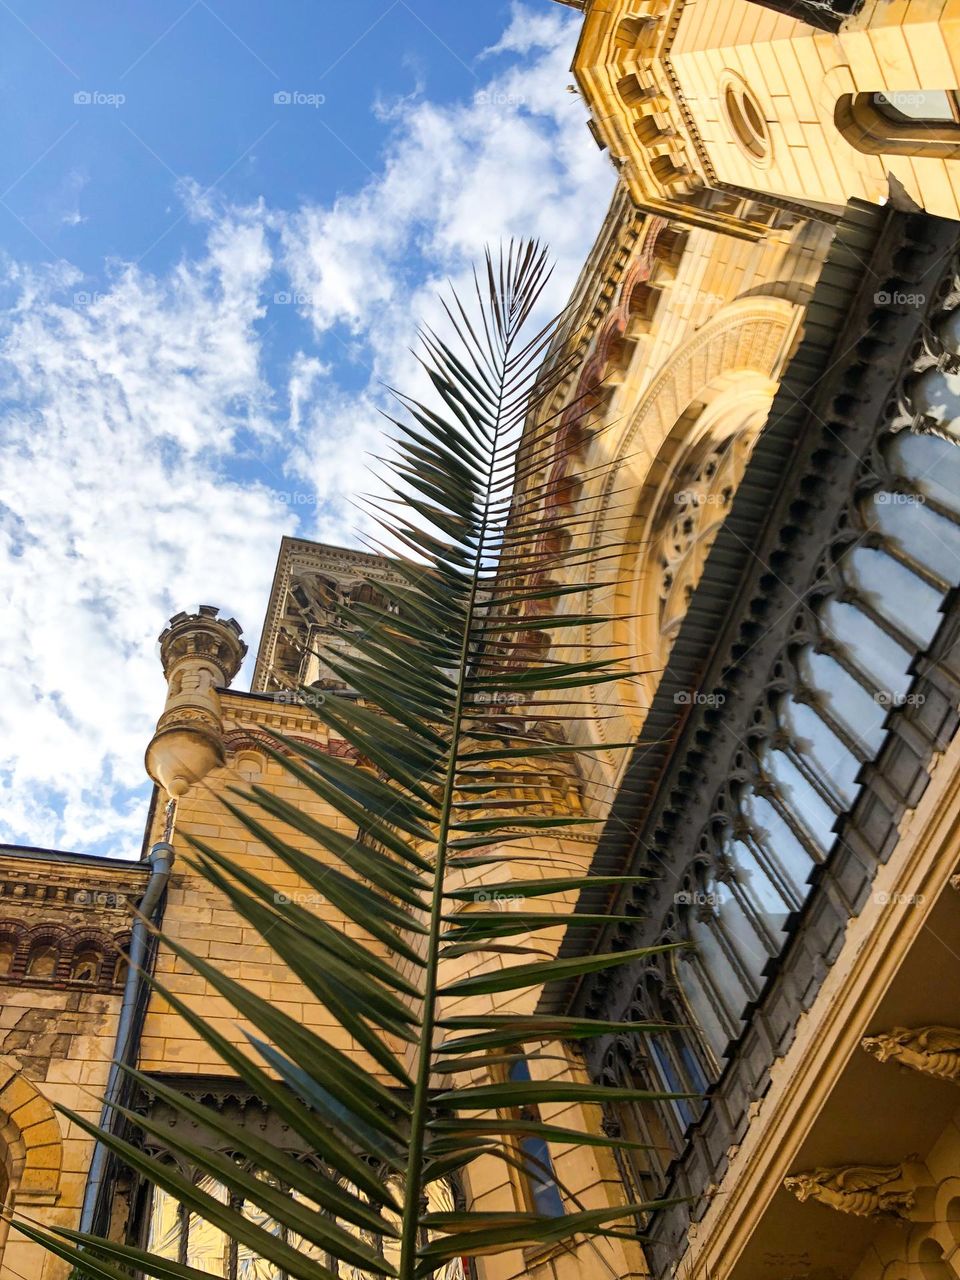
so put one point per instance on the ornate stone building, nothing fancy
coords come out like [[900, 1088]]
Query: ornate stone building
[[767, 339]]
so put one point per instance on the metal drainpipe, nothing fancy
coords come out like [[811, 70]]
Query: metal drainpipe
[[93, 1216]]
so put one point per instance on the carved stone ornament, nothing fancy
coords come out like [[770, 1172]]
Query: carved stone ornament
[[867, 1191], [933, 1050]]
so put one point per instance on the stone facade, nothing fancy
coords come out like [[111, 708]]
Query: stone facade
[[751, 362], [64, 926]]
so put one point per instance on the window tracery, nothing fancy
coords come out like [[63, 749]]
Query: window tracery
[[879, 592], [715, 441], [175, 1233]]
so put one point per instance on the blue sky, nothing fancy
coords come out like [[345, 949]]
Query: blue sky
[[219, 226]]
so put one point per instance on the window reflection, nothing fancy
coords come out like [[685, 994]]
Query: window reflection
[[789, 858], [180, 1236], [932, 464], [832, 765], [843, 697], [836, 685], [876, 655], [889, 589], [922, 533], [808, 809]]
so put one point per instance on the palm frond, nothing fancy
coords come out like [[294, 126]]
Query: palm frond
[[456, 690]]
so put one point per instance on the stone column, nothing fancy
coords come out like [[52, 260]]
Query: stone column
[[201, 653]]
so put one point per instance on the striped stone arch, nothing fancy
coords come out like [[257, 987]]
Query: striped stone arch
[[31, 1146], [737, 356]]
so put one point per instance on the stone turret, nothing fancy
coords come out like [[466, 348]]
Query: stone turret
[[201, 653]]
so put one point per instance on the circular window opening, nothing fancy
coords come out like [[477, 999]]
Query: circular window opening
[[746, 121]]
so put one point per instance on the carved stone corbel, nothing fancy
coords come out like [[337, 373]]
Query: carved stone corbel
[[934, 1051], [866, 1191]]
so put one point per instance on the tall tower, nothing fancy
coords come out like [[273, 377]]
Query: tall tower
[[201, 653]]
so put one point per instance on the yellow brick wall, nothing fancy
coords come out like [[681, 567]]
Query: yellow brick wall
[[199, 917], [797, 76]]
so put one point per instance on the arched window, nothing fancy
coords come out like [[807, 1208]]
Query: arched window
[[176, 1234], [664, 1061], [850, 663], [8, 948], [704, 461], [540, 1190], [914, 122], [85, 966], [42, 960]]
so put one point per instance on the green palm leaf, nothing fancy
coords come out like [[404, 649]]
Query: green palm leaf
[[459, 710]]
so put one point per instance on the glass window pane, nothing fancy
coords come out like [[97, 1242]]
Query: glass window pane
[[696, 1081], [249, 1265], [759, 890], [440, 1199], [701, 1005], [830, 761], [871, 649], [719, 969], [916, 528], [810, 809], [672, 1082], [546, 1196], [347, 1270], [164, 1235], [922, 105], [740, 931], [933, 464], [845, 698], [776, 837], [894, 592], [937, 394], [208, 1249]]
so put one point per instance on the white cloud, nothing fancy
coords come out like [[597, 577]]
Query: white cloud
[[122, 494], [115, 514]]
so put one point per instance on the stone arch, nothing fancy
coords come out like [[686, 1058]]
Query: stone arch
[[11, 932], [90, 946], [734, 359], [688, 494], [37, 946], [31, 1146]]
